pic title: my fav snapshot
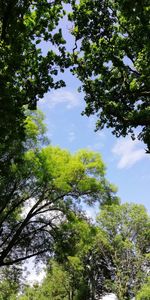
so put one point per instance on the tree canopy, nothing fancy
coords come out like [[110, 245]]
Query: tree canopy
[[42, 190], [111, 58]]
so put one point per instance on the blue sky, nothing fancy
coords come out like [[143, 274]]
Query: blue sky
[[127, 164]]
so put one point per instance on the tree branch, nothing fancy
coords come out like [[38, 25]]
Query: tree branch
[[9, 263]]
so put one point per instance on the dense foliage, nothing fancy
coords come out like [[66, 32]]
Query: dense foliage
[[112, 61], [26, 72], [42, 190]]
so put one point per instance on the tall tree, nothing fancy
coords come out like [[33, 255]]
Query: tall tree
[[111, 58], [41, 191]]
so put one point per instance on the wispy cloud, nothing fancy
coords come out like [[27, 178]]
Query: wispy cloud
[[129, 152], [68, 98]]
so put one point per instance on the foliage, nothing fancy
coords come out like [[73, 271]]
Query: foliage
[[30, 293], [26, 72], [110, 257], [35, 130], [41, 192], [111, 58], [127, 229]]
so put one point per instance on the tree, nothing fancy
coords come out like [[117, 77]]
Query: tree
[[26, 72], [40, 193], [111, 58], [127, 230]]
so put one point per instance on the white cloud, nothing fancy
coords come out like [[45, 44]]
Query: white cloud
[[62, 96], [129, 152]]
